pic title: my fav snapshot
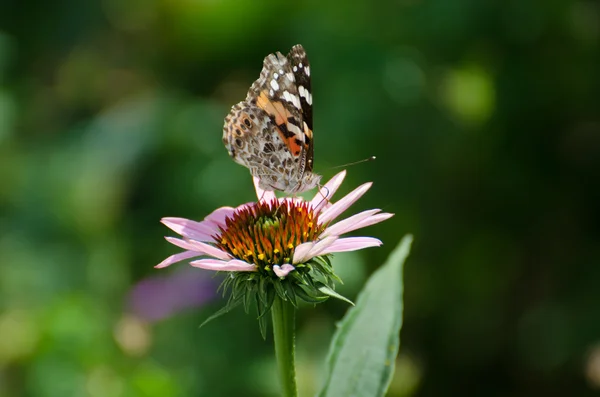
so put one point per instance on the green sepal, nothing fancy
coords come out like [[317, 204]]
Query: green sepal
[[306, 297], [249, 295], [262, 291], [262, 309], [289, 291], [270, 296], [225, 309], [312, 282], [238, 287], [330, 292], [263, 323], [279, 289]]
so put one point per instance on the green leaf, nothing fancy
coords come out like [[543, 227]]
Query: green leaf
[[364, 347]]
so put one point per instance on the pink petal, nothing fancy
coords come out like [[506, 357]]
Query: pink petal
[[181, 243], [301, 252], [304, 251], [217, 217], [324, 194], [244, 206], [283, 270], [372, 220], [348, 224], [199, 247], [201, 231], [342, 205], [351, 244], [176, 258], [322, 246], [263, 195], [225, 266]]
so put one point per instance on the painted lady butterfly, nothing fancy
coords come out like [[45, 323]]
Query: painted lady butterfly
[[270, 132]]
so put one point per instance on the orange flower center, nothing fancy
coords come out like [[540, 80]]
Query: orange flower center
[[266, 233]]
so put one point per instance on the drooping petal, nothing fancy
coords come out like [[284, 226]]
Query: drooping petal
[[217, 217], [201, 231], [348, 224], [234, 265], [301, 252], [283, 270], [342, 205], [199, 247], [351, 244], [305, 251], [322, 245], [263, 195], [177, 258], [324, 194]]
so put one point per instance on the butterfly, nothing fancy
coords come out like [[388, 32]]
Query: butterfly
[[270, 132]]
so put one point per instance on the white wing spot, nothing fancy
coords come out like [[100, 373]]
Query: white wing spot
[[274, 85], [300, 65], [293, 99], [293, 128], [271, 93], [295, 68], [307, 70], [305, 94], [275, 76], [281, 71]]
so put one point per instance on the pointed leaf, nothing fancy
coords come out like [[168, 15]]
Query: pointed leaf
[[364, 348]]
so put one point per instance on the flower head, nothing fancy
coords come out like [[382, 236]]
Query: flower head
[[276, 245]]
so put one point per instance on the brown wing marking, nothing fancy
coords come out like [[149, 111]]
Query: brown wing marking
[[280, 117]]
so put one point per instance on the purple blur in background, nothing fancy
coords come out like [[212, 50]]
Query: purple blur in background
[[159, 297]]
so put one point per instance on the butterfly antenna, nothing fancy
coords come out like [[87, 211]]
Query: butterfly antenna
[[372, 158], [325, 196]]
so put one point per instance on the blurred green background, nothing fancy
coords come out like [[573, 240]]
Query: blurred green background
[[485, 120]]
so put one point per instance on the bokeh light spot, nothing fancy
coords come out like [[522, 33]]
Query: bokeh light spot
[[469, 94], [133, 335]]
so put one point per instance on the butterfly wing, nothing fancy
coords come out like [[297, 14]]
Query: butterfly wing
[[252, 141], [271, 131], [276, 93], [301, 70]]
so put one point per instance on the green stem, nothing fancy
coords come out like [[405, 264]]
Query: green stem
[[284, 333]]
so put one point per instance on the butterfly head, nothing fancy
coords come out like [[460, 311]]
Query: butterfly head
[[310, 181]]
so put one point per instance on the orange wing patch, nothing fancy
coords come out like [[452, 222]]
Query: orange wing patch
[[281, 115]]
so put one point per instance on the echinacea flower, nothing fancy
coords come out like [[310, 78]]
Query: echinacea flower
[[276, 245]]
